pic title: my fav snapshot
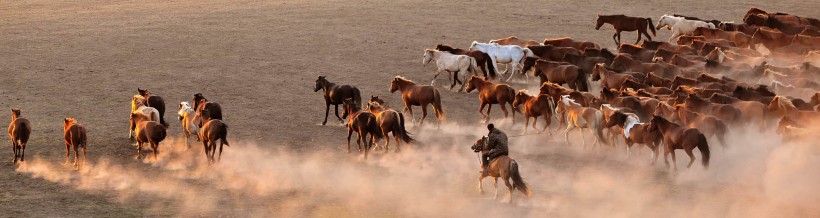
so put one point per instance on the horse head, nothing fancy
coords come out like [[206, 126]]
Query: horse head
[[143, 92], [394, 85], [428, 56], [480, 144], [472, 45], [376, 99], [68, 122], [599, 22], [320, 83], [350, 107], [15, 113]]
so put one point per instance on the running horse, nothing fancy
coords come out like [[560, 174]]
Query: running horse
[[583, 118], [335, 95], [676, 136], [212, 130], [625, 23], [535, 106], [390, 121], [147, 131], [202, 105], [154, 101], [490, 93], [459, 65], [363, 123], [483, 59], [560, 73], [504, 167], [75, 137], [19, 131], [418, 95]]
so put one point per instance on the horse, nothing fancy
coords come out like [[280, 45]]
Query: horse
[[656, 45], [638, 133], [459, 65], [363, 123], [504, 167], [418, 95], [138, 106], [75, 137], [556, 91], [609, 78], [581, 117], [560, 73], [389, 121], [639, 53], [676, 136], [569, 42], [512, 40], [535, 106], [335, 95], [681, 26], [626, 23], [215, 110], [738, 27], [490, 93], [709, 125], [147, 131], [512, 54], [154, 101], [608, 110], [740, 39], [713, 22], [654, 80], [189, 120], [627, 62], [727, 113], [480, 57], [212, 130], [19, 131], [772, 39]]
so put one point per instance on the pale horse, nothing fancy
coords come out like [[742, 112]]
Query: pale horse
[[512, 54], [189, 119], [681, 26], [138, 106], [459, 65]]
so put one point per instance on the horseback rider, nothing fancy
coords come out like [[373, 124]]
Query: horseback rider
[[497, 143]]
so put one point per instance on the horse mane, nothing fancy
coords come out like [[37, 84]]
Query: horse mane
[[569, 101], [524, 91], [785, 102], [401, 78]]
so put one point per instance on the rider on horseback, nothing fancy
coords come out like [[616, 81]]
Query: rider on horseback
[[497, 143]]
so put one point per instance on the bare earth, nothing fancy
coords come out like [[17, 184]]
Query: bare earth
[[259, 61]]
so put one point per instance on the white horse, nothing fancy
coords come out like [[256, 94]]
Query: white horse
[[512, 54], [681, 26], [138, 106], [189, 119], [460, 65]]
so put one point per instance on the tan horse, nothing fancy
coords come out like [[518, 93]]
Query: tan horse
[[676, 136], [19, 131], [418, 95], [189, 119], [75, 136], [139, 106], [212, 130], [504, 167], [583, 118], [147, 131], [490, 93], [512, 40], [390, 121], [535, 106]]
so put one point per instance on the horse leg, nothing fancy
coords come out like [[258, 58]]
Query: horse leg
[[327, 112], [433, 82], [480, 188], [666, 158], [495, 185], [674, 160], [22, 151], [509, 188], [423, 114], [617, 44], [221, 144], [76, 158], [481, 110], [691, 157], [139, 149], [639, 36], [412, 117], [675, 35], [14, 149], [155, 146], [85, 153], [489, 108], [506, 113], [566, 133], [336, 107], [583, 139], [67, 151], [527, 123]]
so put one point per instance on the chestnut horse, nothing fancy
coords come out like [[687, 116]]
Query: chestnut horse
[[418, 95], [639, 133], [534, 106], [501, 166], [560, 73], [212, 130], [512, 40], [625, 23], [19, 131], [363, 123], [676, 136], [569, 42], [390, 121], [490, 93], [609, 78], [147, 131], [201, 104], [154, 101], [480, 57], [709, 125], [75, 136]]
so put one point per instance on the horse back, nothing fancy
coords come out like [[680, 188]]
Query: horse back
[[75, 135], [20, 129], [500, 166]]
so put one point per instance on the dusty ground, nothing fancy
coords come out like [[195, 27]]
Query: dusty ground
[[259, 61]]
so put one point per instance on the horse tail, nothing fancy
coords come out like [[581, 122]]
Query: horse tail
[[649, 25], [357, 97], [490, 68], [473, 66], [400, 131], [437, 105], [224, 136], [582, 82], [528, 53], [518, 182], [703, 146]]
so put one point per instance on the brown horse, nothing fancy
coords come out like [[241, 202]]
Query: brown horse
[[560, 73], [542, 105], [19, 131], [154, 101], [390, 121], [490, 93], [709, 125], [147, 131], [740, 39], [201, 104], [627, 62], [639, 133], [725, 112], [676, 136], [569, 42], [656, 45], [609, 78], [363, 123], [512, 40], [625, 23], [335, 95], [638, 52], [418, 95], [654, 80], [556, 91], [483, 59], [504, 167], [771, 38], [75, 136], [212, 130]]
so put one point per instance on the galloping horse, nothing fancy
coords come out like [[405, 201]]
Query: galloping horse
[[19, 131], [202, 104], [676, 136], [138, 106], [147, 131], [504, 167], [490, 93], [535, 106], [75, 136], [363, 123], [560, 73], [212, 130], [189, 120], [154, 101], [481, 58], [336, 94], [639, 133], [459, 65], [626, 23], [708, 125], [512, 54], [681, 26], [609, 78], [569, 42], [581, 117], [390, 121], [418, 95]]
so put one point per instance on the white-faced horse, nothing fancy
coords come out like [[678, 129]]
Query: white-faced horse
[[583, 118], [459, 65], [512, 54], [189, 119], [138, 106], [681, 26]]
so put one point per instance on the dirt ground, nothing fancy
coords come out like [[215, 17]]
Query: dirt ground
[[259, 60]]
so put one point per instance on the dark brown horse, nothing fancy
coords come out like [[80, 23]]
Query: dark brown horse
[[389, 121], [418, 95], [638, 52], [334, 95], [625, 23], [212, 130], [676, 136], [553, 53], [569, 42], [725, 112], [490, 93], [532, 106], [201, 104], [740, 39], [19, 131], [627, 62], [654, 80], [147, 131], [483, 59], [639, 133], [707, 124], [154, 101], [609, 78], [560, 73], [504, 167], [75, 136], [363, 123]]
